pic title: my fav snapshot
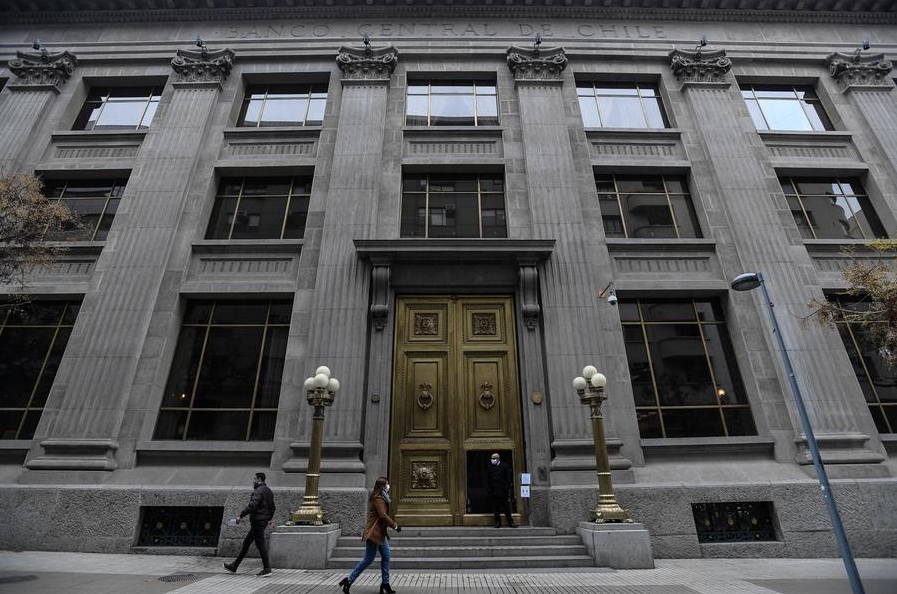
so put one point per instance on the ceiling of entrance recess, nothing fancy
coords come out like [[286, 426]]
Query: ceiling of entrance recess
[[855, 11]]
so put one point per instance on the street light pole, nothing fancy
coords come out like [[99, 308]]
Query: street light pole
[[320, 391], [749, 281], [590, 389]]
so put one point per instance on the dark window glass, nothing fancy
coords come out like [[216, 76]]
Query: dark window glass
[[646, 206], [451, 103], [118, 108], [620, 105], [831, 209], [453, 206], [877, 379], [226, 376], [283, 105], [685, 380], [785, 107], [94, 202], [32, 339], [260, 208]]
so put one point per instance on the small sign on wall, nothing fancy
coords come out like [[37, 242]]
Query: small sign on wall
[[525, 478], [524, 491]]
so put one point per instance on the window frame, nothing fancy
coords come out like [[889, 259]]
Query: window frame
[[815, 102], [428, 193], [474, 81], [116, 192], [106, 92], [311, 88], [862, 197], [290, 196], [666, 180], [637, 86]]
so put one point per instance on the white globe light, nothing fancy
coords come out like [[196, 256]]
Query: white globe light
[[323, 369], [579, 383], [321, 380], [309, 384], [588, 371], [598, 380], [333, 385]]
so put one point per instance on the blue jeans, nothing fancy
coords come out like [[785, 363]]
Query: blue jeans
[[370, 552]]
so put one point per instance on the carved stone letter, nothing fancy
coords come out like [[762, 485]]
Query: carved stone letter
[[856, 70], [700, 67], [203, 67], [536, 64], [367, 63]]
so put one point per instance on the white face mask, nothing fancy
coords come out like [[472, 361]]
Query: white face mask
[[386, 488], [495, 460]]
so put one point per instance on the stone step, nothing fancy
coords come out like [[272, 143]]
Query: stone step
[[537, 551], [475, 531], [401, 541], [466, 562]]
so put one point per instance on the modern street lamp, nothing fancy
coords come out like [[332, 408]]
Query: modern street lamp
[[591, 393], [747, 282], [320, 391]]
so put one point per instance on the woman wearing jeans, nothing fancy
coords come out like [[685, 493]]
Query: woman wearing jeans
[[375, 538]]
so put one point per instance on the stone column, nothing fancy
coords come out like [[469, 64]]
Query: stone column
[[81, 422], [339, 310], [38, 76], [867, 82], [570, 279], [758, 236]]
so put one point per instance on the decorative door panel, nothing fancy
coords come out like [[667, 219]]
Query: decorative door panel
[[455, 399]]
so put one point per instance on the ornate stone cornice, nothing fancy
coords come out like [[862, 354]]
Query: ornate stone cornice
[[537, 64], [367, 63], [42, 69], [699, 67], [203, 66], [855, 70]]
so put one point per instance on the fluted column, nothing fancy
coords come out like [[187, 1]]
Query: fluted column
[[757, 239], [38, 76], [340, 304], [83, 415], [570, 280]]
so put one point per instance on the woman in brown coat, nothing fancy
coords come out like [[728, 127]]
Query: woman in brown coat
[[375, 537]]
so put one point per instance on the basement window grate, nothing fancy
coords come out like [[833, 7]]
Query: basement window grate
[[736, 521], [163, 526]]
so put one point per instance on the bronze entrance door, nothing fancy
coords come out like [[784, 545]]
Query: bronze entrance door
[[455, 401]]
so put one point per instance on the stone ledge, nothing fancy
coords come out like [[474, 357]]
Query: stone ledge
[[701, 446], [248, 246]]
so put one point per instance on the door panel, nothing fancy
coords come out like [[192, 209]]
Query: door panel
[[455, 401]]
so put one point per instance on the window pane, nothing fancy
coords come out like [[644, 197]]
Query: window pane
[[785, 115], [121, 115], [268, 186], [621, 112], [649, 423], [88, 115], [729, 389], [149, 114], [179, 390], [739, 421], [680, 365], [315, 116], [414, 220], [493, 213], [639, 367], [686, 219], [39, 399], [171, 425], [706, 422], [240, 312], [228, 425], [105, 223], [416, 107], [668, 311], [252, 111], [589, 109], [32, 417], [222, 216], [648, 215], [296, 218], [487, 111], [229, 365], [262, 426], [757, 115], [451, 110], [271, 372], [259, 218], [9, 423], [654, 113], [22, 353], [284, 112], [831, 218]]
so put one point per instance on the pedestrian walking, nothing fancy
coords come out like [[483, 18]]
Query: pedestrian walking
[[499, 485], [261, 513], [375, 537]]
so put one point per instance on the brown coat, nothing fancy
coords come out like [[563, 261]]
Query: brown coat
[[378, 520]]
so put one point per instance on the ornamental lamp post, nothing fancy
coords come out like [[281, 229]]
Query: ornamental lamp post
[[320, 391], [590, 388]]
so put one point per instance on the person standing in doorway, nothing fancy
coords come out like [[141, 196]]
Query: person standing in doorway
[[261, 514], [499, 485], [375, 537]]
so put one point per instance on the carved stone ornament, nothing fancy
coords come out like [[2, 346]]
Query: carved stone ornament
[[529, 292], [42, 68], [486, 398], [699, 67], [203, 66], [425, 398], [426, 324], [537, 64], [859, 70], [379, 296], [367, 63], [423, 475], [484, 324]]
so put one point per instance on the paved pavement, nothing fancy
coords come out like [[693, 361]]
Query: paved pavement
[[85, 573]]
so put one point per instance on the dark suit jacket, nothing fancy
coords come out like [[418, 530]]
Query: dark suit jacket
[[499, 480], [261, 504]]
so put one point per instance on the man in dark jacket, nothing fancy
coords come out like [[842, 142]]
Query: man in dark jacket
[[261, 512], [499, 485]]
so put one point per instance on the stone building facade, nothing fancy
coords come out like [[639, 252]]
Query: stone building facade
[[437, 200]]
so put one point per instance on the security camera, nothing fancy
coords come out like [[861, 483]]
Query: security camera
[[612, 299]]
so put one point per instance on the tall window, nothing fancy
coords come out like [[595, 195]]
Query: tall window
[[119, 108], [95, 203], [646, 206], [32, 340], [453, 206], [620, 105], [877, 379], [283, 105], [226, 375], [451, 103], [831, 209], [260, 208], [684, 377], [785, 107]]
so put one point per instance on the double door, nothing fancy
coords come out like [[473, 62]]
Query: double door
[[456, 400]]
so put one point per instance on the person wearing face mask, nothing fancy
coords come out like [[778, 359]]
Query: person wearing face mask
[[375, 537], [261, 513], [499, 484]]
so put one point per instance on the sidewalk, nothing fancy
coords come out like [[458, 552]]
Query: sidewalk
[[84, 573]]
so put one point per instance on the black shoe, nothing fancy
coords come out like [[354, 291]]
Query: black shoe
[[512, 525], [265, 572], [230, 567], [346, 584], [385, 589]]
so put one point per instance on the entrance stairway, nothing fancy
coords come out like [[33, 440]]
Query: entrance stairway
[[471, 548]]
